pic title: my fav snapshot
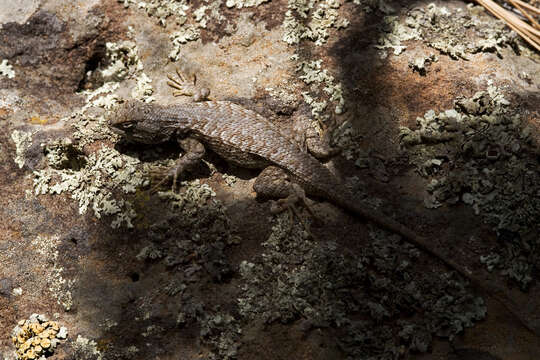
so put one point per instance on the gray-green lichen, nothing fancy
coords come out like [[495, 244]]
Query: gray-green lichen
[[311, 20], [6, 69], [22, 140], [244, 3], [60, 287], [86, 349], [180, 37], [230, 180], [384, 6], [92, 185], [162, 9], [367, 300], [420, 64], [191, 236], [480, 153], [320, 17], [123, 59], [321, 84], [455, 32], [222, 332], [92, 179], [190, 30], [393, 33], [195, 205], [186, 20]]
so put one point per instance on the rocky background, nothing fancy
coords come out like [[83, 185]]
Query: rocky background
[[433, 106]]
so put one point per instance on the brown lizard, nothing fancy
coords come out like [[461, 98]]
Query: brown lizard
[[247, 139]]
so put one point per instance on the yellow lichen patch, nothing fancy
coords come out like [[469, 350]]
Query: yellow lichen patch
[[45, 343], [36, 328], [30, 354], [38, 120], [36, 337]]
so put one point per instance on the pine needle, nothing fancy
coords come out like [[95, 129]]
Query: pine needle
[[529, 32]]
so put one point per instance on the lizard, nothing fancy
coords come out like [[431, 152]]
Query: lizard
[[247, 139]]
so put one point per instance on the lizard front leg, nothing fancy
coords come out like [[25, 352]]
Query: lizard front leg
[[184, 88], [194, 151]]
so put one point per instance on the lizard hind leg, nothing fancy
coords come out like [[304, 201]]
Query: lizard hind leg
[[185, 88], [273, 182]]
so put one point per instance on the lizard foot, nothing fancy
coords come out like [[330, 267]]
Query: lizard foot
[[273, 182], [184, 88], [194, 152], [164, 177], [296, 196]]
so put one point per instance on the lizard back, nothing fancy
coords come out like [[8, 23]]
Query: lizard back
[[250, 140]]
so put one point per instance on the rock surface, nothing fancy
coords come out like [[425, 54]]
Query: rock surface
[[435, 108]]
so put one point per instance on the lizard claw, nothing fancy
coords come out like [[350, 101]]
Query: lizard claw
[[165, 176], [164, 179], [289, 203], [184, 88]]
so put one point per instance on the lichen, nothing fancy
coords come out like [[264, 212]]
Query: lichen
[[322, 16], [492, 160], [319, 79], [37, 337], [230, 180], [322, 286], [123, 61], [222, 332], [393, 33], [92, 185], [92, 179], [86, 349], [22, 140], [420, 64], [455, 32], [60, 288], [239, 4], [180, 37], [191, 237], [6, 69], [143, 90], [186, 20], [162, 9]]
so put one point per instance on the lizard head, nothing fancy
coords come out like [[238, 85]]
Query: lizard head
[[137, 122]]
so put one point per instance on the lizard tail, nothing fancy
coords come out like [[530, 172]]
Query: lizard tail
[[382, 220]]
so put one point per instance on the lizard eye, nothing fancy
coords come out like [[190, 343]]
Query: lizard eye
[[127, 125]]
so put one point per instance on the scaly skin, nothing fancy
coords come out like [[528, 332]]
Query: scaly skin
[[247, 139]]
